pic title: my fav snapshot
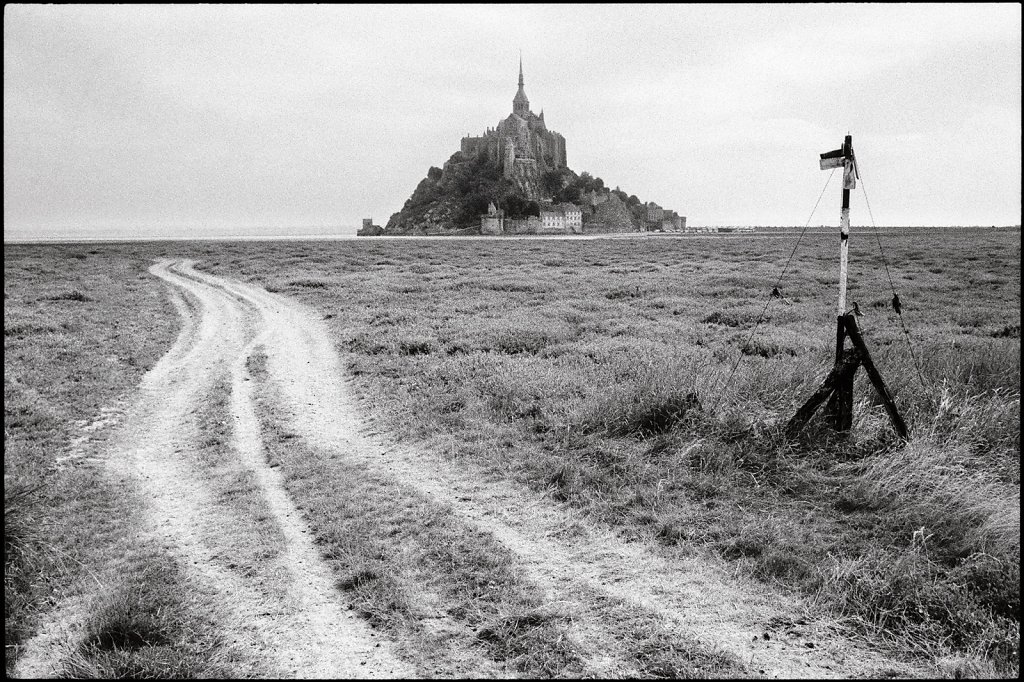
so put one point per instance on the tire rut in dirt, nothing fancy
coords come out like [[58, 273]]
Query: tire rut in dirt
[[308, 633]]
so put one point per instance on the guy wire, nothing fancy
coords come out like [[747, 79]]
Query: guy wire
[[892, 287], [773, 292]]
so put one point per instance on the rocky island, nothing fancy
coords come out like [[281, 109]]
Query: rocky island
[[514, 179]]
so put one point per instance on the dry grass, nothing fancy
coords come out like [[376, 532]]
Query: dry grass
[[594, 370], [81, 326], [147, 626], [452, 597]]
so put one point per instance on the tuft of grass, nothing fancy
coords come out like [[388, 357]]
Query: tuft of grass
[[940, 489], [625, 292], [533, 642], [645, 398], [27, 329], [727, 319], [515, 340], [148, 627]]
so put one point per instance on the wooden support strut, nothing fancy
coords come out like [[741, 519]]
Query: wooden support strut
[[835, 386], [876, 378], [847, 366]]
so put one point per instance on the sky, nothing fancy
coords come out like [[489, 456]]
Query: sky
[[209, 120]]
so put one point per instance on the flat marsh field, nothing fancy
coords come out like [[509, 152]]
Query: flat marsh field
[[637, 386]]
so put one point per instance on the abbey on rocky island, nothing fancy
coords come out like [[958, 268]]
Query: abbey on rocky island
[[521, 146], [517, 172]]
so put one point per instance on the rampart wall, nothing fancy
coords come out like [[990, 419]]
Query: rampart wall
[[529, 225]]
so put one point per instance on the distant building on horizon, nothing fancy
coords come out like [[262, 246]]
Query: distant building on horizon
[[369, 229], [562, 218]]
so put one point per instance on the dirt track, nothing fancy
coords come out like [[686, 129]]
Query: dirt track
[[307, 631]]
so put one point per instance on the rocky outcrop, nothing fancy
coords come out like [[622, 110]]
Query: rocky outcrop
[[438, 203], [611, 216], [525, 178]]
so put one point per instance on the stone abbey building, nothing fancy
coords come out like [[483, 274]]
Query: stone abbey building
[[521, 146]]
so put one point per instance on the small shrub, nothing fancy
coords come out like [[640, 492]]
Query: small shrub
[[725, 319], [765, 349], [522, 340], [308, 283], [73, 295], [415, 346], [358, 578], [657, 416], [23, 328], [624, 292]]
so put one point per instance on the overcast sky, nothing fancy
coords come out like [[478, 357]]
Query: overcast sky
[[280, 119]]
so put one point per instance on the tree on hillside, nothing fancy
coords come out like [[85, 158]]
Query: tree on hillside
[[551, 182], [570, 194], [516, 205], [473, 206]]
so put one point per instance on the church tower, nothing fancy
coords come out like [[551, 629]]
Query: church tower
[[520, 104]]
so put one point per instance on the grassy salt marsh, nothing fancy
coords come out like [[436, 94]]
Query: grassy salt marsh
[[572, 367], [596, 373]]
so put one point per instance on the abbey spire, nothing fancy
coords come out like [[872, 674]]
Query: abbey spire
[[520, 103]]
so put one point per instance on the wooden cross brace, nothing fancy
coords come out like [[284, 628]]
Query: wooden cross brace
[[838, 386]]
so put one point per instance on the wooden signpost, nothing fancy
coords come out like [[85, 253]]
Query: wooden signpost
[[838, 385]]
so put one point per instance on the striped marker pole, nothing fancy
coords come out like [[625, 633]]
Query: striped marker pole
[[840, 405], [844, 248]]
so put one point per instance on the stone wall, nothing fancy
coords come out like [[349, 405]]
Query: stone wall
[[471, 146], [559, 227], [528, 225], [491, 224]]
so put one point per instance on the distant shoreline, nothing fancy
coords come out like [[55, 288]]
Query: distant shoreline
[[758, 232]]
